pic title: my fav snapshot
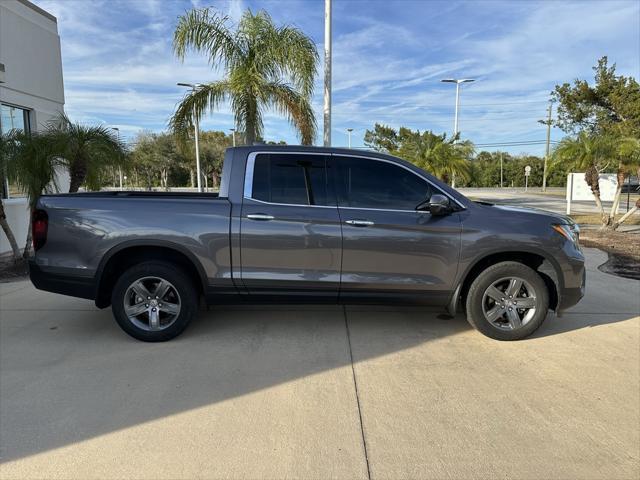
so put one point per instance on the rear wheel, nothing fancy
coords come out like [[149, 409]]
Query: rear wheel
[[507, 301], [154, 301]]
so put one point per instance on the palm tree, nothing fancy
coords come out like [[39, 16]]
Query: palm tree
[[6, 144], [587, 152], [32, 167], [87, 150], [627, 150], [265, 66], [444, 158]]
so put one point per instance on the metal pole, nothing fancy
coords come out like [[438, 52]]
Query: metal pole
[[233, 135], [197, 128], [546, 155], [455, 121], [501, 170], [327, 73], [349, 130], [117, 130]]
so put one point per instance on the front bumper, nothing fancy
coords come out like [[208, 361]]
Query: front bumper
[[62, 283], [571, 296]]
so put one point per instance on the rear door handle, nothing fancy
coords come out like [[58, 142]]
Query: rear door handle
[[360, 223], [260, 216]]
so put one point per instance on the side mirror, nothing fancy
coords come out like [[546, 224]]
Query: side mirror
[[437, 205]]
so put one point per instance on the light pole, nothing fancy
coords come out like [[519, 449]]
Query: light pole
[[194, 87], [327, 73], [349, 130], [233, 135], [117, 130], [457, 81]]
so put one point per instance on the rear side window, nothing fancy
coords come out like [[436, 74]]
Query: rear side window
[[366, 183], [294, 179]]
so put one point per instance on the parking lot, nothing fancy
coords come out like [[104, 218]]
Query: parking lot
[[320, 392]]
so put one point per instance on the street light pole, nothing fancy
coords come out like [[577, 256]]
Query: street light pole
[[457, 81], [349, 130], [197, 129], [117, 130], [233, 135], [327, 73]]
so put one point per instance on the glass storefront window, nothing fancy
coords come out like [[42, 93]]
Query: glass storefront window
[[11, 118]]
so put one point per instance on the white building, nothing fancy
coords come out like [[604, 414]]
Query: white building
[[31, 86]]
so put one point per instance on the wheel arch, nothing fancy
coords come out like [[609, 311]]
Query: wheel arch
[[127, 254], [547, 267]]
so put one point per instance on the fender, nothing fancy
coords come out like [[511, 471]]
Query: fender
[[452, 306], [146, 242]]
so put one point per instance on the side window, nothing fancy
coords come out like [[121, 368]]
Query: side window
[[365, 183], [294, 179]]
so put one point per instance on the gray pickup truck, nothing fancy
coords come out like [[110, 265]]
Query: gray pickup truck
[[304, 224]]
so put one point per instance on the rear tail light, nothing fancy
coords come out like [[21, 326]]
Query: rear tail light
[[39, 226]]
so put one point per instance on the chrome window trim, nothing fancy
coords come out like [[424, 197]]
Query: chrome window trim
[[401, 166], [248, 179]]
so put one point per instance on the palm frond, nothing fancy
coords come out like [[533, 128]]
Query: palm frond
[[295, 106]]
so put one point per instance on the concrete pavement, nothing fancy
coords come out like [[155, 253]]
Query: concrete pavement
[[320, 392]]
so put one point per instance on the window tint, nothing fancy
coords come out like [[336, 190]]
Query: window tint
[[365, 183], [296, 179]]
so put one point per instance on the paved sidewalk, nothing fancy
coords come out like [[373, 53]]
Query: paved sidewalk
[[320, 392]]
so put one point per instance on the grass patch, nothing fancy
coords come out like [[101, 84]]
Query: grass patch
[[595, 219]]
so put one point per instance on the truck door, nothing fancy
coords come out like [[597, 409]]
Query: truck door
[[290, 232], [389, 248]]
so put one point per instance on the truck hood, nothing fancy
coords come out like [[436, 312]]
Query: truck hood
[[552, 216]]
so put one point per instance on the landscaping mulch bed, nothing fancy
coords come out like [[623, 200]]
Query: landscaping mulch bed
[[623, 249], [11, 271]]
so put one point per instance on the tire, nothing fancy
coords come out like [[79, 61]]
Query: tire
[[152, 320], [492, 311]]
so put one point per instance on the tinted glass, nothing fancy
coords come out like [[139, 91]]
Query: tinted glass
[[365, 183], [295, 179]]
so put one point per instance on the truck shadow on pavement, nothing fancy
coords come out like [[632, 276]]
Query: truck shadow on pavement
[[70, 374]]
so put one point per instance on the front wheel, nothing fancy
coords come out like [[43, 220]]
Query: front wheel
[[154, 301], [507, 301]]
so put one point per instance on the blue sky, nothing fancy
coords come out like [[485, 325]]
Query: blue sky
[[388, 59]]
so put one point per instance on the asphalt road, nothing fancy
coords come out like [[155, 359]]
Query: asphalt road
[[320, 392]]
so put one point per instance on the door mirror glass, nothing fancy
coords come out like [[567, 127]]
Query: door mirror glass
[[439, 204]]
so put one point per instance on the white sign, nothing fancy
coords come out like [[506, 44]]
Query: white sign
[[579, 190], [527, 170]]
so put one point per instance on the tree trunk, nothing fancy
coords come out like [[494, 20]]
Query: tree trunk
[[616, 199], [77, 174], [192, 178], [214, 179], [7, 231], [206, 183], [27, 247], [623, 219], [592, 177]]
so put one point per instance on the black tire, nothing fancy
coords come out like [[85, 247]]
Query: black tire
[[475, 297], [183, 284]]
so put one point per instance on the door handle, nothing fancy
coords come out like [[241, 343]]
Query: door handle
[[360, 223], [260, 216]]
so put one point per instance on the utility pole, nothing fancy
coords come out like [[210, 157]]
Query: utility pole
[[349, 130], [500, 169], [546, 155], [233, 133], [327, 73]]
